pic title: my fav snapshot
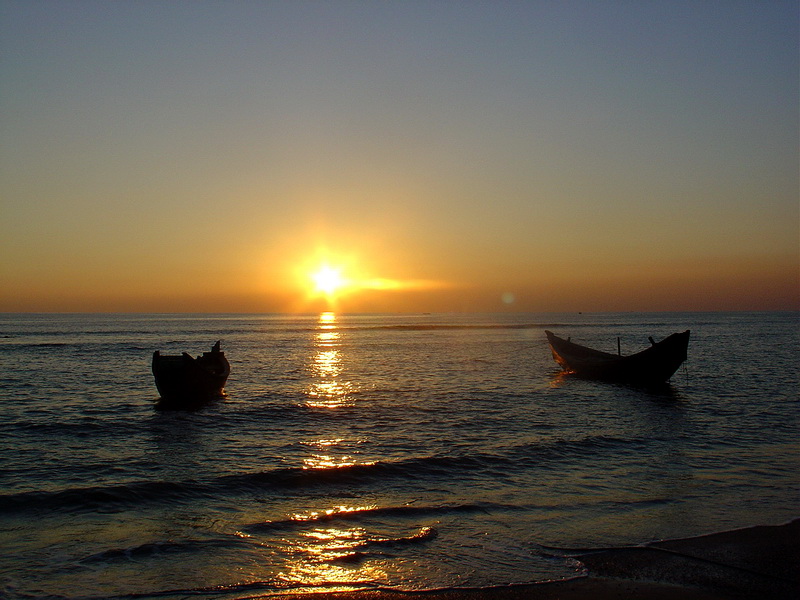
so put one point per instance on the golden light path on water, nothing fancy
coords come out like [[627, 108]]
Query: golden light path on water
[[328, 554], [327, 389]]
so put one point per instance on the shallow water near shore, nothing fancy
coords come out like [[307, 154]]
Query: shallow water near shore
[[409, 452]]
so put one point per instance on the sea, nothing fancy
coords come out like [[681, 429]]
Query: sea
[[402, 452]]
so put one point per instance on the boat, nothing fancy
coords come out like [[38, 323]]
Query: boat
[[652, 366], [185, 382]]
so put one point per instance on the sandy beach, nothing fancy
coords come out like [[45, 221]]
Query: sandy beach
[[756, 562]]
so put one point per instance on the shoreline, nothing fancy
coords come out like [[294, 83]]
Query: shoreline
[[753, 562]]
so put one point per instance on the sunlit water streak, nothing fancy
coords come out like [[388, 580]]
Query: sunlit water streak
[[411, 452]]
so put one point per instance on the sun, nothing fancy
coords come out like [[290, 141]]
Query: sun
[[327, 280]]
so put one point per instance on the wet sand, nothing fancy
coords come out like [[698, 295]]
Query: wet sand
[[757, 562]]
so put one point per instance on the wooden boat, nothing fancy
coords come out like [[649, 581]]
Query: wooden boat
[[652, 366], [184, 381]]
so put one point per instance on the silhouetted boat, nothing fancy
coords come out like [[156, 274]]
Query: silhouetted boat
[[652, 366], [184, 382]]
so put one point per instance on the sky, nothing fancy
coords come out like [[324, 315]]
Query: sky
[[210, 156]]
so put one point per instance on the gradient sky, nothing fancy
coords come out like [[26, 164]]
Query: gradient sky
[[550, 156]]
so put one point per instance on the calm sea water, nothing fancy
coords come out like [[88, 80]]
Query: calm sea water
[[409, 452]]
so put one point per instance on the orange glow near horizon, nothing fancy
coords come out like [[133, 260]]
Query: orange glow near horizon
[[333, 278], [309, 275]]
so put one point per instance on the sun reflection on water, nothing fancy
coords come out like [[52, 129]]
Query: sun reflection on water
[[327, 317], [329, 558], [327, 389], [559, 379], [326, 456], [336, 511], [328, 461], [327, 363]]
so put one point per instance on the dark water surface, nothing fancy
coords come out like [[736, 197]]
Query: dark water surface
[[410, 452]]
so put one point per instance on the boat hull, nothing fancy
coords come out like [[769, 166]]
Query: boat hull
[[186, 382], [655, 365]]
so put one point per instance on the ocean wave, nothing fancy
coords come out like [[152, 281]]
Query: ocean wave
[[101, 499], [381, 547], [570, 448], [407, 511], [235, 591], [156, 549], [111, 498]]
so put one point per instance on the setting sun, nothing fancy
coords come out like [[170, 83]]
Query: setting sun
[[336, 280], [327, 280]]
